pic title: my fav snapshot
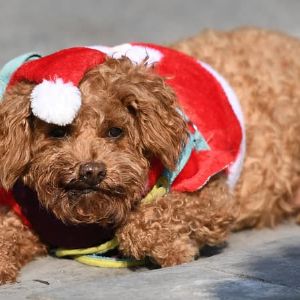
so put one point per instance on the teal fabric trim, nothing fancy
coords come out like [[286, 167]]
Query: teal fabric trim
[[195, 141], [11, 66]]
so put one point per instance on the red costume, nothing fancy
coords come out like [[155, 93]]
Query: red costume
[[216, 143]]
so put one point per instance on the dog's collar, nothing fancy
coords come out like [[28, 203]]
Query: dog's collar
[[195, 142]]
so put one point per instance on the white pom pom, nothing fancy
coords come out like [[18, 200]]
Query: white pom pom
[[56, 102]]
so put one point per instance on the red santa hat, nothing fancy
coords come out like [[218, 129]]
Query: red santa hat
[[56, 98]]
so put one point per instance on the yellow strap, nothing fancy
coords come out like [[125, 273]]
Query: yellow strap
[[103, 248], [106, 262], [159, 190]]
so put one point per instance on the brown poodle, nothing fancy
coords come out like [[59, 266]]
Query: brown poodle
[[87, 178]]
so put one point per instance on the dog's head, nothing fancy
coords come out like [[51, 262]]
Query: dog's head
[[95, 169]]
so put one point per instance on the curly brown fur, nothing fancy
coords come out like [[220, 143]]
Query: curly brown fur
[[173, 228], [18, 246], [263, 67], [264, 70], [115, 94]]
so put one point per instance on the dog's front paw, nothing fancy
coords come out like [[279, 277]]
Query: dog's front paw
[[181, 250], [164, 244]]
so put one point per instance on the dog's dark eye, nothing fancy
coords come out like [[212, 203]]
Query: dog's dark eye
[[58, 132], [114, 132]]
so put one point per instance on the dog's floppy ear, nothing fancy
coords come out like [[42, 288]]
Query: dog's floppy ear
[[15, 133], [162, 129]]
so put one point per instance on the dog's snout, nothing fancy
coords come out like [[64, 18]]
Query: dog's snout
[[92, 173]]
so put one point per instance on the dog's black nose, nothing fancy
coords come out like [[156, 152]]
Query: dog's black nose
[[92, 173]]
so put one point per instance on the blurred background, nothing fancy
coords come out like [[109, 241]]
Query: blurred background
[[48, 25]]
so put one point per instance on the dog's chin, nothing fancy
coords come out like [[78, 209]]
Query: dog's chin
[[75, 194], [103, 206]]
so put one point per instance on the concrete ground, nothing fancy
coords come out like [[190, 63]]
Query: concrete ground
[[255, 264]]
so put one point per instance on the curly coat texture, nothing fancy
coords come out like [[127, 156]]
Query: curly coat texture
[[264, 69]]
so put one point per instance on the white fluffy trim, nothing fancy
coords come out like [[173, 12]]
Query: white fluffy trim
[[56, 102], [235, 168], [137, 54]]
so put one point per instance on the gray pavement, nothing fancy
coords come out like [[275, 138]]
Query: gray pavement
[[261, 264], [255, 264]]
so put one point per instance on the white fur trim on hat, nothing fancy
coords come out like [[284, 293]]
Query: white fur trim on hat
[[56, 102], [137, 54]]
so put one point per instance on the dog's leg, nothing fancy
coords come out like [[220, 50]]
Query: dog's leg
[[173, 228], [18, 245]]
